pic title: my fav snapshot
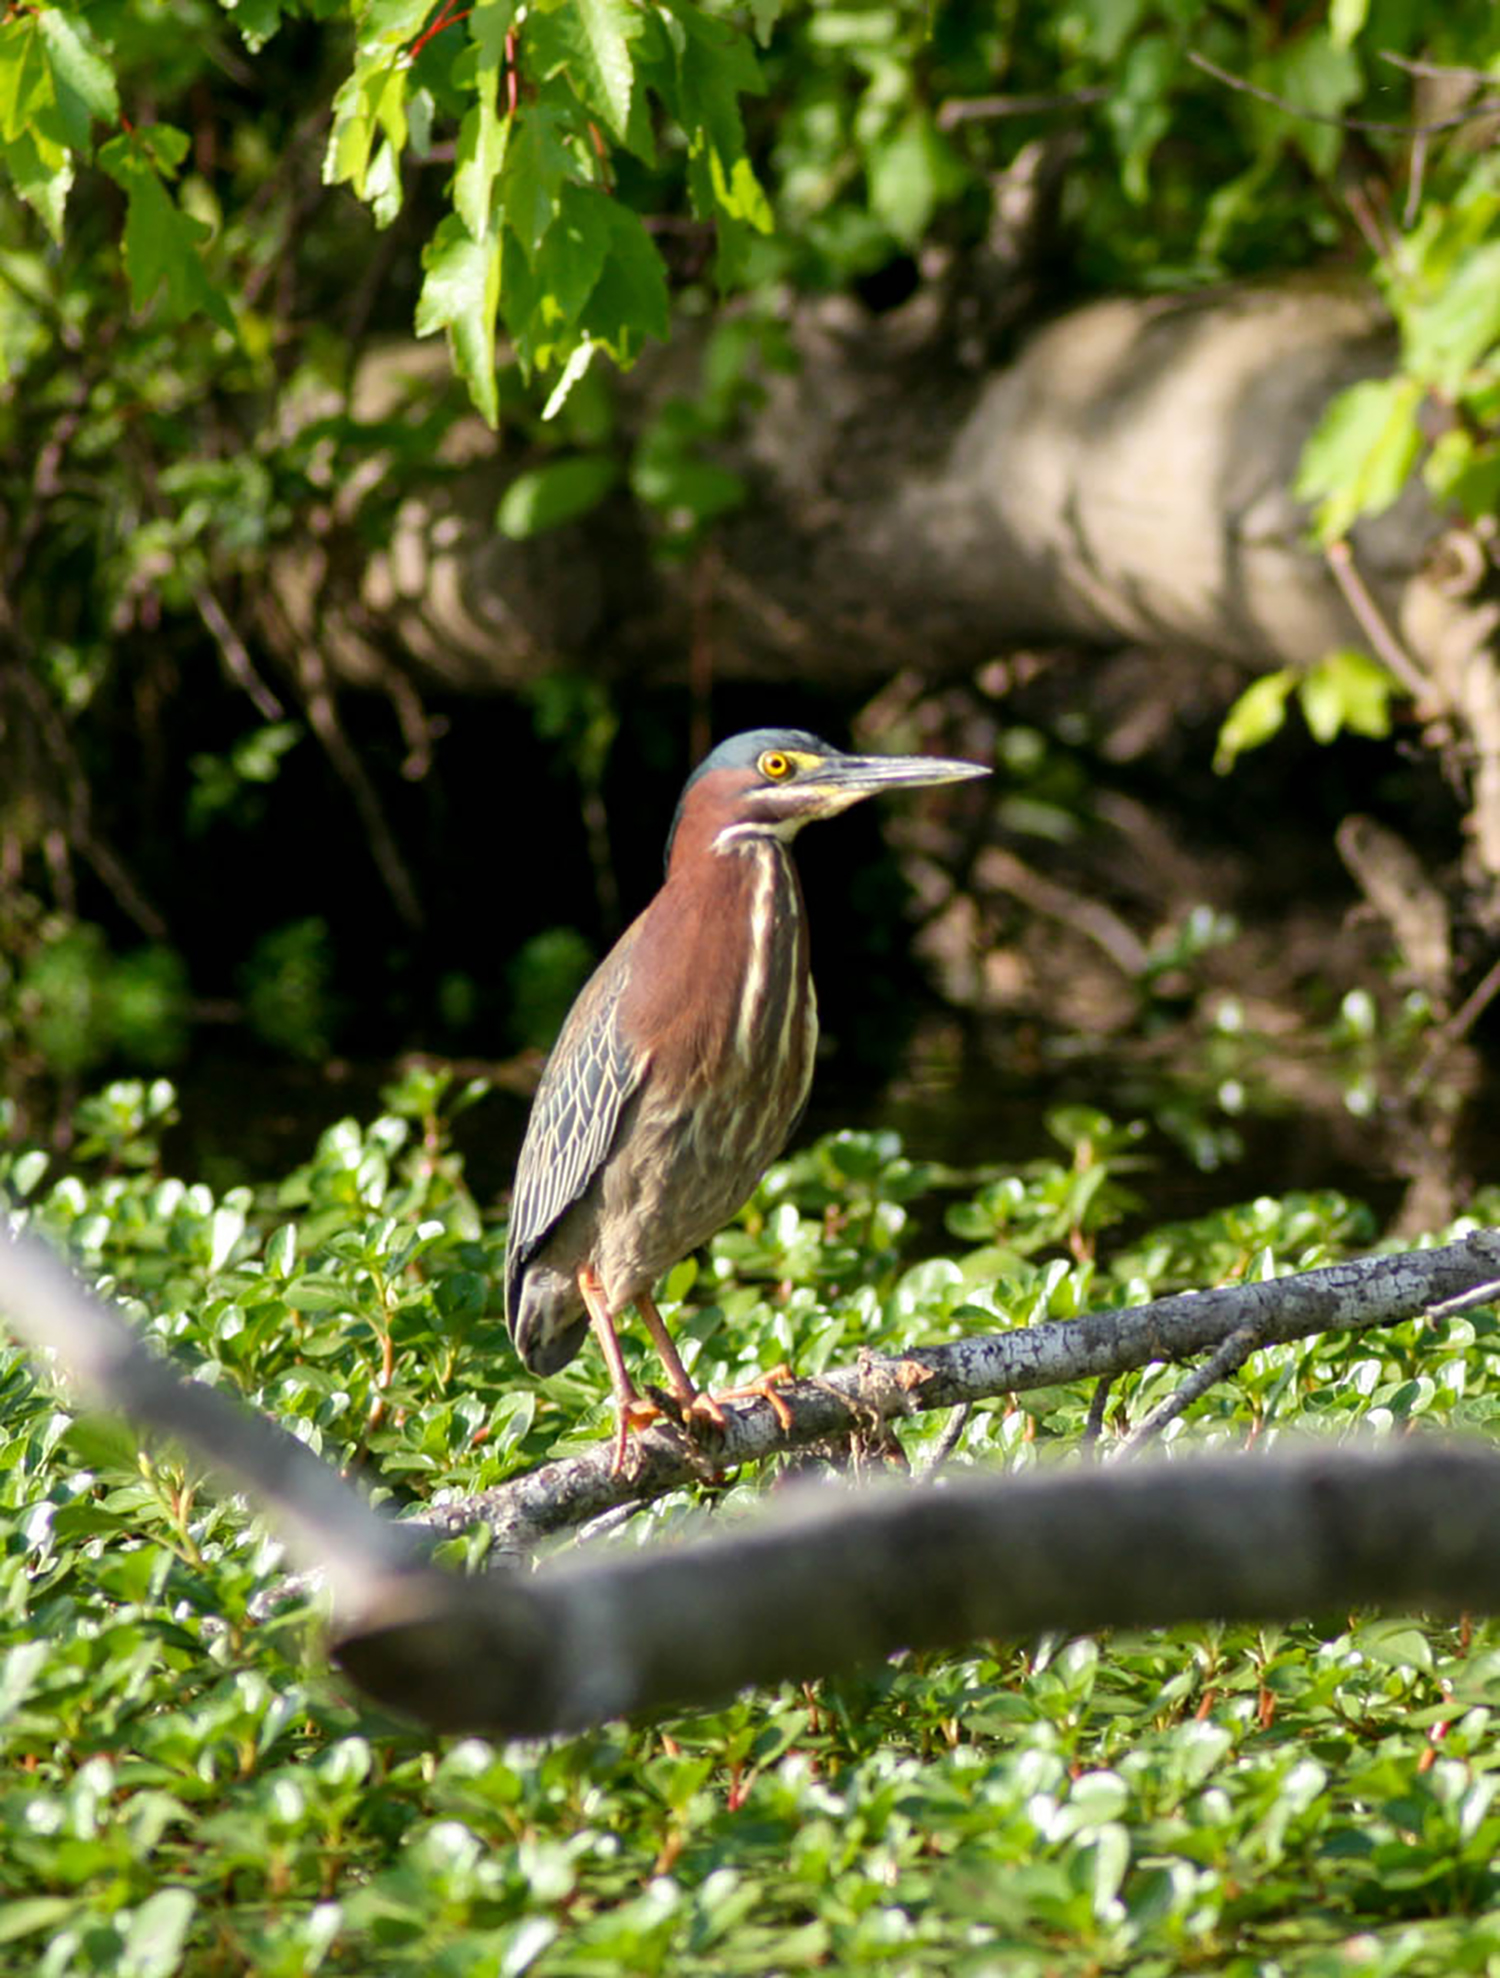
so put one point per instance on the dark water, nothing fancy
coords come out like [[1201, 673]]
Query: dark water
[[973, 1112]]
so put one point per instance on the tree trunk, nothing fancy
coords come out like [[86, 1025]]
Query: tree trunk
[[1126, 479]]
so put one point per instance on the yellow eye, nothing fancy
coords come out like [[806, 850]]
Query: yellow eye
[[774, 765]]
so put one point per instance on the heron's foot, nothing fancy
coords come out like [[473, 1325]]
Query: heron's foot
[[630, 1418], [706, 1408], [762, 1388]]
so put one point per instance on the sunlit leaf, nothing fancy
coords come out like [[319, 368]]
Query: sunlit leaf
[[1255, 717], [1359, 455], [82, 79], [1446, 337], [604, 30], [1349, 690]]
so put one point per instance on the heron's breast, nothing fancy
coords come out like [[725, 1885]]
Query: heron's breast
[[730, 1067]]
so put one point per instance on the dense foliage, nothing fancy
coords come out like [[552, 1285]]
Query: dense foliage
[[209, 216], [188, 1789], [188, 284]]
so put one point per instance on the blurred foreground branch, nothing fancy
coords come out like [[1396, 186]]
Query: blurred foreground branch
[[846, 1579], [830, 1580]]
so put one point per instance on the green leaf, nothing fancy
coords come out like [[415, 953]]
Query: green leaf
[[26, 87], [562, 490], [603, 72], [82, 80], [1316, 74], [32, 1913], [161, 242], [482, 143], [575, 249], [371, 101], [630, 299], [391, 24], [1349, 690], [716, 66], [460, 294], [1445, 338], [42, 173], [1101, 28], [544, 298], [1395, 1644], [669, 474], [572, 374], [1360, 453], [1346, 19], [489, 24], [911, 171], [765, 14], [1464, 470], [1139, 111], [281, 1250], [537, 165], [257, 20], [154, 1934], [1255, 717], [484, 135]]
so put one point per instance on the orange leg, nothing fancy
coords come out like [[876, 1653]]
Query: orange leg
[[631, 1412], [678, 1377], [763, 1388]]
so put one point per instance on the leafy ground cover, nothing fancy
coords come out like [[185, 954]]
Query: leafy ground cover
[[187, 1787]]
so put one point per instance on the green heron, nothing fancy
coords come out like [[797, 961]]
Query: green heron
[[685, 1062]]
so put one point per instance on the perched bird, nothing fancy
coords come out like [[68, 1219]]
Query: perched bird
[[685, 1062]]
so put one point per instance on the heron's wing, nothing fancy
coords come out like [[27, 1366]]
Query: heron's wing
[[574, 1119]]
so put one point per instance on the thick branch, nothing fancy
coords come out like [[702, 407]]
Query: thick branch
[[1369, 1291], [820, 1585], [329, 1526], [1127, 477]]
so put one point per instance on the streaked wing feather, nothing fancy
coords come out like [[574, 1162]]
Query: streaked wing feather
[[589, 1077]]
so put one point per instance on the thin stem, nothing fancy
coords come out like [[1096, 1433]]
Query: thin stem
[[1388, 648], [1291, 109]]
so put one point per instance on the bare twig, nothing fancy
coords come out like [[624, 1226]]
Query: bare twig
[[1465, 116], [1230, 1355], [958, 110], [330, 1526], [1002, 870], [1472, 1007], [1395, 882], [1388, 648], [957, 1422], [1439, 71], [1377, 235], [72, 803], [235, 654], [323, 718], [1093, 1428], [1415, 175]]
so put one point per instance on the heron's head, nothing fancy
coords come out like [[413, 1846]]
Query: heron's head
[[769, 782]]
